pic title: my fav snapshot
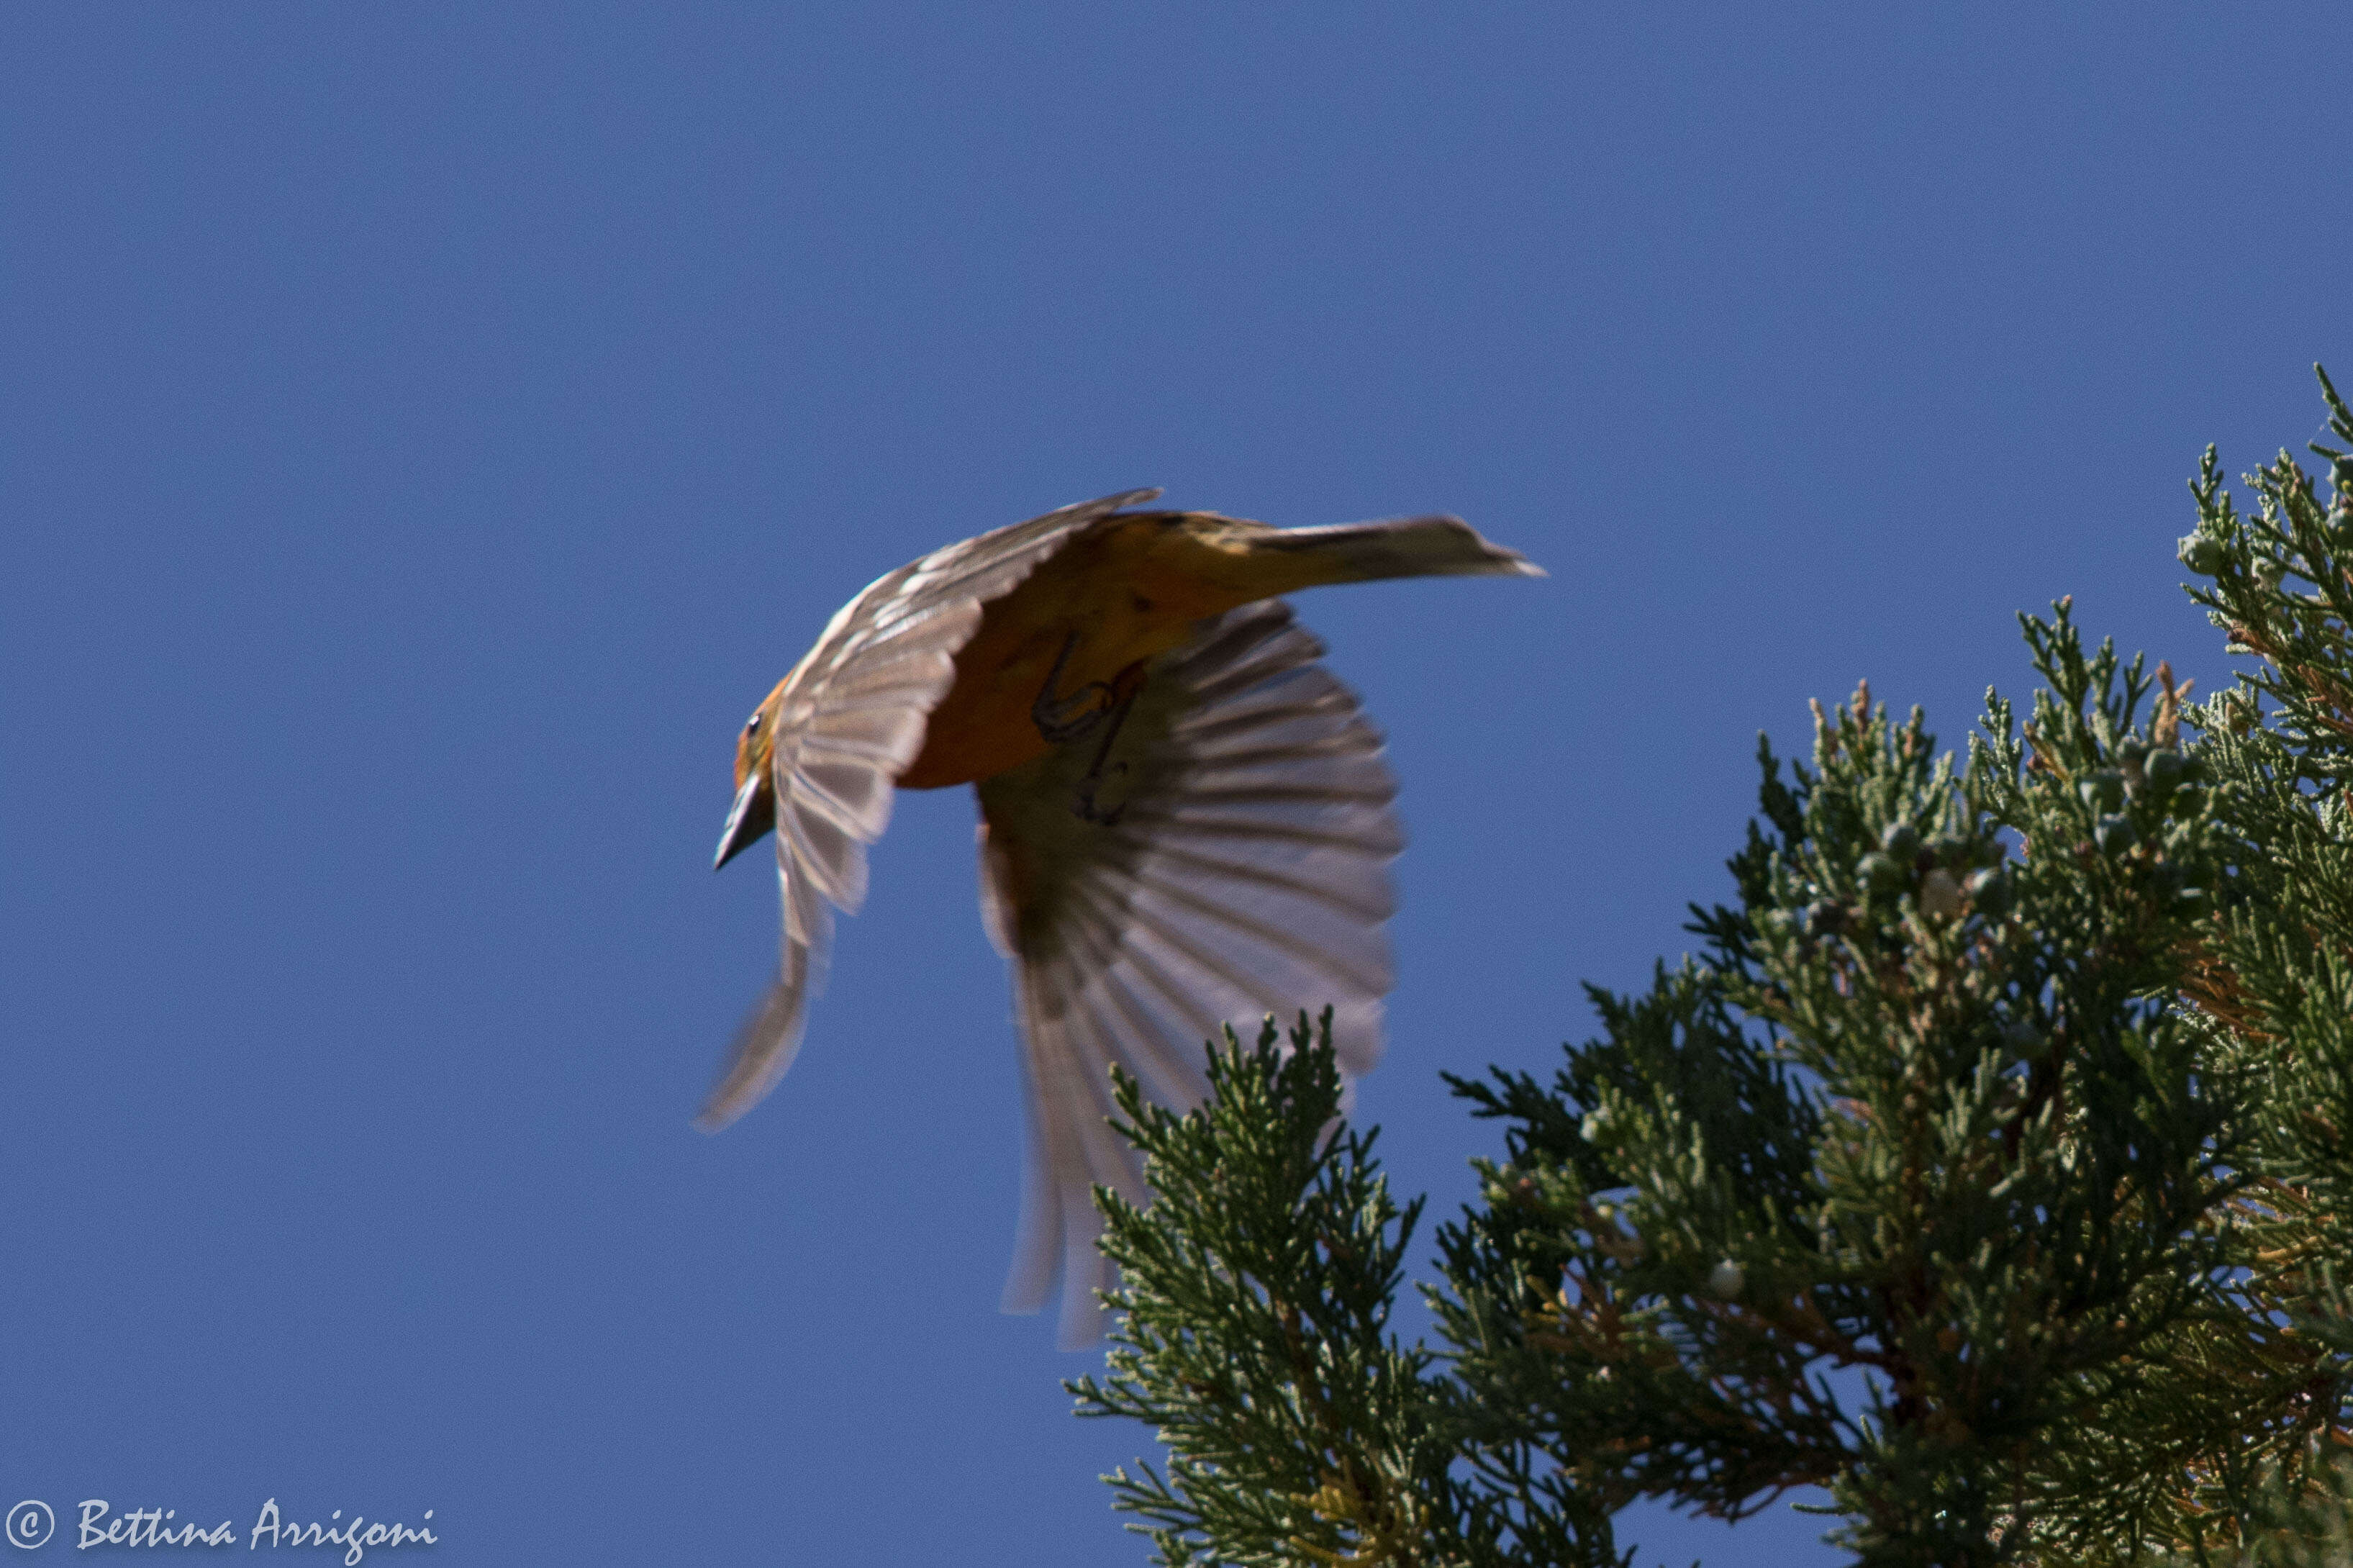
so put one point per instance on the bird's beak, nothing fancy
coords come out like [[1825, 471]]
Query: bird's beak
[[749, 820]]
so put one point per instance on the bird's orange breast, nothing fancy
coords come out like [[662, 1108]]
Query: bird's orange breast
[[1130, 591]]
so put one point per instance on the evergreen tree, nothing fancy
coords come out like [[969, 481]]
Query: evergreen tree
[[1990, 1168]]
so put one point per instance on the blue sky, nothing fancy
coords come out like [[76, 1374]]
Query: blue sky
[[428, 429]]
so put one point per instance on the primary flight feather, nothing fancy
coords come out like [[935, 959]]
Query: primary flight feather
[[1184, 818]]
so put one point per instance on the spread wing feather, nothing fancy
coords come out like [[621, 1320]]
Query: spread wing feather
[[854, 714], [1247, 873]]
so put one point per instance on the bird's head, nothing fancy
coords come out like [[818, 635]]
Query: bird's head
[[755, 811]]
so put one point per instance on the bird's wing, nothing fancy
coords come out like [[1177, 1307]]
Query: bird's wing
[[1247, 873], [854, 712]]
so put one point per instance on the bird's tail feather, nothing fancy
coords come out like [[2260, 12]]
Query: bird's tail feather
[[1401, 547]]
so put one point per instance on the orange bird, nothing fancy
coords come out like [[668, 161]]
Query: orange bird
[[1185, 819]]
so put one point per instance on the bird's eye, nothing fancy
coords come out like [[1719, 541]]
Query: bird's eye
[[752, 723]]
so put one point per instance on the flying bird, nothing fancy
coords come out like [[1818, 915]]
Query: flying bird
[[1185, 819]]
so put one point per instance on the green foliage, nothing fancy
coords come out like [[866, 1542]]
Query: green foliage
[[1255, 1334], [2275, 990], [1990, 1168], [1918, 1106]]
